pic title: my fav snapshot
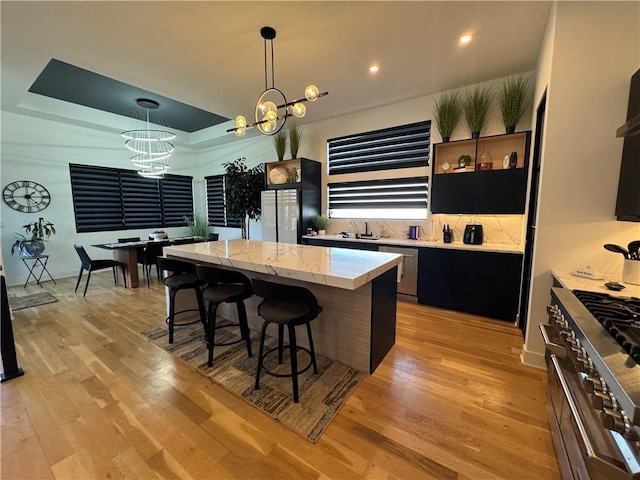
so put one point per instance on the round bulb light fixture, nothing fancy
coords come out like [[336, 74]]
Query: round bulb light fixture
[[272, 108]]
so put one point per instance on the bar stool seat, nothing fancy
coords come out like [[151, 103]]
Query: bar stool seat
[[182, 277], [290, 306], [225, 286]]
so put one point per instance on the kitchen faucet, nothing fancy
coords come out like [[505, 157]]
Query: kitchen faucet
[[366, 233]]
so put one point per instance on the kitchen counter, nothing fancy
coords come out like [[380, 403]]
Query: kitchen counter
[[405, 242], [571, 282], [357, 290]]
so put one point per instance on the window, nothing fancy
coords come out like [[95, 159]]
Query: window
[[216, 203], [398, 198], [368, 155], [388, 149], [107, 199]]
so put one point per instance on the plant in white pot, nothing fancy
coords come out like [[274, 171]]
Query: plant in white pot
[[33, 245], [321, 222]]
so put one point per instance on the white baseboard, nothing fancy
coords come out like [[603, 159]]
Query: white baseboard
[[532, 359]]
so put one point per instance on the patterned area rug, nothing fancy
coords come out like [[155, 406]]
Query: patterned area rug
[[26, 301], [321, 394]]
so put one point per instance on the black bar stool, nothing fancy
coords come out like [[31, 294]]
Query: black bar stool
[[225, 286], [182, 277], [291, 306]]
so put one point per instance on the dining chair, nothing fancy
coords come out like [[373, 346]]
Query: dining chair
[[91, 265]]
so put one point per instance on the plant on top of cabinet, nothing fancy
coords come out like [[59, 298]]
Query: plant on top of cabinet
[[280, 144], [514, 98], [475, 106], [446, 113], [295, 136], [321, 222]]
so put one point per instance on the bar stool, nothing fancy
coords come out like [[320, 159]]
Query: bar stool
[[291, 306], [182, 277], [225, 286]]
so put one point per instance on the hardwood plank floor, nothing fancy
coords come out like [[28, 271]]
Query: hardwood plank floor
[[450, 401]]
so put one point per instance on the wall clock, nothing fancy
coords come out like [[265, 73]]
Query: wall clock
[[26, 196]]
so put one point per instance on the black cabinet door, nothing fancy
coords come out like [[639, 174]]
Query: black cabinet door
[[344, 244], [487, 283], [435, 278], [452, 193], [500, 191]]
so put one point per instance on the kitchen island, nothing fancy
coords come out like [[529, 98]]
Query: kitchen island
[[357, 290]]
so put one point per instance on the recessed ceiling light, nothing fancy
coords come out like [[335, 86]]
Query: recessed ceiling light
[[374, 68], [465, 39]]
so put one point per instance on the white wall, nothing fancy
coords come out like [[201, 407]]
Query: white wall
[[591, 50]]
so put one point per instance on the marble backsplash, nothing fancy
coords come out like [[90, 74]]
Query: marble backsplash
[[497, 229]]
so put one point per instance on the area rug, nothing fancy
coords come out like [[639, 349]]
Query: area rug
[[321, 394], [26, 301]]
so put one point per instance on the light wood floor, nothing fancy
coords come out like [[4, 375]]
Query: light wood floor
[[450, 401]]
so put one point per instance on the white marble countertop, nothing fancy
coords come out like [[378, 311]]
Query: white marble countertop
[[571, 282], [335, 267], [405, 242]]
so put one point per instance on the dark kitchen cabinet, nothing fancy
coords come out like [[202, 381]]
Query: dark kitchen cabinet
[[480, 283], [484, 185], [340, 244], [628, 201]]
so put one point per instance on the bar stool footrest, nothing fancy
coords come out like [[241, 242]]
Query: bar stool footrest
[[228, 343], [286, 348], [175, 324]]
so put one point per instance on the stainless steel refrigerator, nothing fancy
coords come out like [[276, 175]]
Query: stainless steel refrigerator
[[287, 213]]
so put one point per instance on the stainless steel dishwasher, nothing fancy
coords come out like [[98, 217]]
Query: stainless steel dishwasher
[[409, 283]]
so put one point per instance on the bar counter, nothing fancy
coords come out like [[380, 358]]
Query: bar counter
[[357, 290]]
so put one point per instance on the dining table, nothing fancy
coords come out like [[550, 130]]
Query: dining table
[[127, 253]]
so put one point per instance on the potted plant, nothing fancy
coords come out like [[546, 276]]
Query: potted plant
[[295, 136], [34, 245], [321, 222], [446, 112], [198, 225], [280, 144], [243, 187], [475, 106], [514, 98]]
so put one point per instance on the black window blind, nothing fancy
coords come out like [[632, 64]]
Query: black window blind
[[398, 193], [107, 199], [216, 203], [390, 148]]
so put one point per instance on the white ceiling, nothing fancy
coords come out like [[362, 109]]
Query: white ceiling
[[210, 54]]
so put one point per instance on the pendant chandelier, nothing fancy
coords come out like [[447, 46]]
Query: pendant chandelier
[[151, 146], [272, 108]]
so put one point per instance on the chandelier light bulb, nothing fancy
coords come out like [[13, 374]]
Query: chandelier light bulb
[[269, 125], [311, 93], [240, 131], [241, 122], [298, 109]]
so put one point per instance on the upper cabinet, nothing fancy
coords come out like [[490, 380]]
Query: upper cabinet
[[296, 173], [487, 175]]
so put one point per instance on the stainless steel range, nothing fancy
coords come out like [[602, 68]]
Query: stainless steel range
[[593, 355]]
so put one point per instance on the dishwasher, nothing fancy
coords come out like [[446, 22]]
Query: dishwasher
[[409, 280]]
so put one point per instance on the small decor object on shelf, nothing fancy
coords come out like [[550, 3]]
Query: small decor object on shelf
[[505, 161], [463, 161], [321, 222], [33, 246], [475, 106], [278, 176], [485, 160], [513, 99], [513, 160], [445, 165], [446, 112]]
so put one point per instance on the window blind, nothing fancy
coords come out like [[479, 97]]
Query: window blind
[[216, 203], [107, 199], [404, 146]]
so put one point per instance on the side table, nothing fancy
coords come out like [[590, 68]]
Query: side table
[[38, 261]]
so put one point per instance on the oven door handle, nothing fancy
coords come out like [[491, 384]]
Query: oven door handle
[[555, 348], [574, 409]]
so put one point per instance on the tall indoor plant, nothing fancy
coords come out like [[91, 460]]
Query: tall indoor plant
[[33, 245], [513, 99], [280, 144], [295, 136], [476, 106], [242, 190], [446, 113]]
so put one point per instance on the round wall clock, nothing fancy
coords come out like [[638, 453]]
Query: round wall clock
[[26, 196]]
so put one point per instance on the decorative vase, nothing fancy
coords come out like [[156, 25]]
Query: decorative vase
[[475, 134], [322, 232], [446, 139], [511, 129], [32, 249]]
